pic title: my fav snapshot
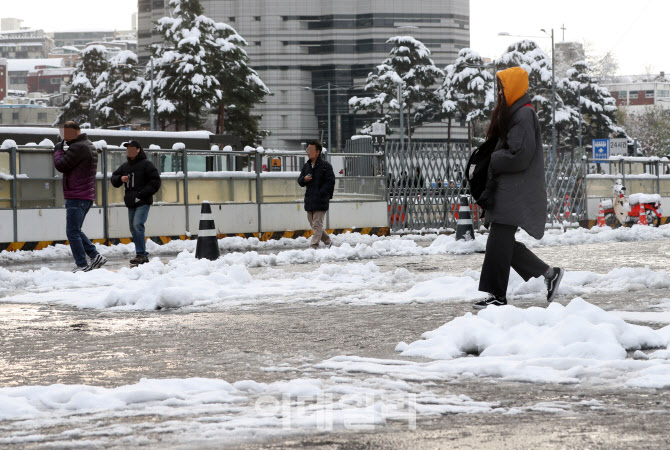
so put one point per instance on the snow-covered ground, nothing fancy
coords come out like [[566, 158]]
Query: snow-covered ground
[[570, 342]]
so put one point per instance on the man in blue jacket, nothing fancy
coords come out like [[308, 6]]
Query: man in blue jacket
[[318, 176], [142, 182]]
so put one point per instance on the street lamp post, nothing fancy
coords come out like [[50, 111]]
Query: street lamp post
[[329, 87], [554, 150], [553, 153], [330, 140], [400, 111], [151, 113], [579, 99]]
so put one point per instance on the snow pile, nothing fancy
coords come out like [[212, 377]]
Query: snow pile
[[186, 281], [577, 343], [388, 246], [636, 199], [578, 330], [7, 144], [97, 416]]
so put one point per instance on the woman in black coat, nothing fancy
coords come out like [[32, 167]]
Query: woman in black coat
[[518, 196]]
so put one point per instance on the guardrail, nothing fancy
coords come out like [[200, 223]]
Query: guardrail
[[29, 180], [639, 174]]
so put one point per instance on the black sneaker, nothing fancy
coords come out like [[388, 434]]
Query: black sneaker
[[493, 300], [96, 263], [553, 282]]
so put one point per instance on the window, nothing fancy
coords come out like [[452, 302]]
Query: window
[[648, 94], [284, 121], [41, 116], [0, 117], [633, 94], [231, 19], [257, 43], [623, 94], [55, 81], [284, 97], [664, 93], [15, 116], [257, 18]]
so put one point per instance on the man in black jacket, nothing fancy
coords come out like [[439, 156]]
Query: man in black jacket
[[142, 182], [318, 176]]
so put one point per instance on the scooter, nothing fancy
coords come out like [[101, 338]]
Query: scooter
[[627, 213]]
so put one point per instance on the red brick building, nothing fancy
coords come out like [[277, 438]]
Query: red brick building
[[48, 80], [641, 94]]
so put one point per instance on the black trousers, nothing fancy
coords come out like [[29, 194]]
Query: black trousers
[[503, 252]]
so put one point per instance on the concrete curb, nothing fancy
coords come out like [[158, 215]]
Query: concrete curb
[[160, 240]]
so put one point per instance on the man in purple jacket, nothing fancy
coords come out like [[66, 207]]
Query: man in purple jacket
[[77, 158]]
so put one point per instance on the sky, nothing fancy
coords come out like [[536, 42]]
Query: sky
[[635, 31]]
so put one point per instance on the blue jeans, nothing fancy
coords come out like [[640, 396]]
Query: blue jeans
[[75, 213], [136, 219]]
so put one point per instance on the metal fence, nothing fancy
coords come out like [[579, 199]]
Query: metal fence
[[426, 181], [29, 180]]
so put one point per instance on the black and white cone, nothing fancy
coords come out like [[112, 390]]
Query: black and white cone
[[465, 229], [208, 242]]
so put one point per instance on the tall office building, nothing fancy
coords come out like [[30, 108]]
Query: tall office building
[[298, 46]]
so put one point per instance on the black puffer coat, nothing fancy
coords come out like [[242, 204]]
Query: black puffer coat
[[143, 180], [320, 189], [79, 165]]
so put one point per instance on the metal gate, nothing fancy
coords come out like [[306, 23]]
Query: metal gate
[[426, 180], [566, 191]]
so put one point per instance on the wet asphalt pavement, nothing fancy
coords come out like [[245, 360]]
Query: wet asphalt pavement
[[44, 345]]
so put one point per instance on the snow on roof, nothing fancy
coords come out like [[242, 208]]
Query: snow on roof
[[60, 71], [26, 65], [99, 132]]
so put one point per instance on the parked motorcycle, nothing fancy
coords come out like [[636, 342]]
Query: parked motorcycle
[[627, 212]]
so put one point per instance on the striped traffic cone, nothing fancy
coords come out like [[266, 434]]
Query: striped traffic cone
[[464, 227], [208, 243], [601, 216], [643, 216]]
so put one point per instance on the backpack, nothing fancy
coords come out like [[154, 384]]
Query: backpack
[[478, 167], [325, 173]]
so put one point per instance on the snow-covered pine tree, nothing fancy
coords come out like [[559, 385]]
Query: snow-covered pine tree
[[448, 105], [119, 91], [409, 64], [184, 84], [93, 63], [528, 55], [469, 85], [241, 87], [598, 107], [379, 105]]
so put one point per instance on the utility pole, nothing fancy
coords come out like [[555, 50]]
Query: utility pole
[[400, 108], [330, 140], [151, 119]]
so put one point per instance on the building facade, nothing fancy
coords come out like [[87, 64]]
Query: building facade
[[4, 79], [18, 70], [81, 38], [638, 95], [49, 81], [299, 46], [25, 44], [28, 115]]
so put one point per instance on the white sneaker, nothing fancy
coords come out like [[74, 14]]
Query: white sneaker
[[79, 269], [97, 263]]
